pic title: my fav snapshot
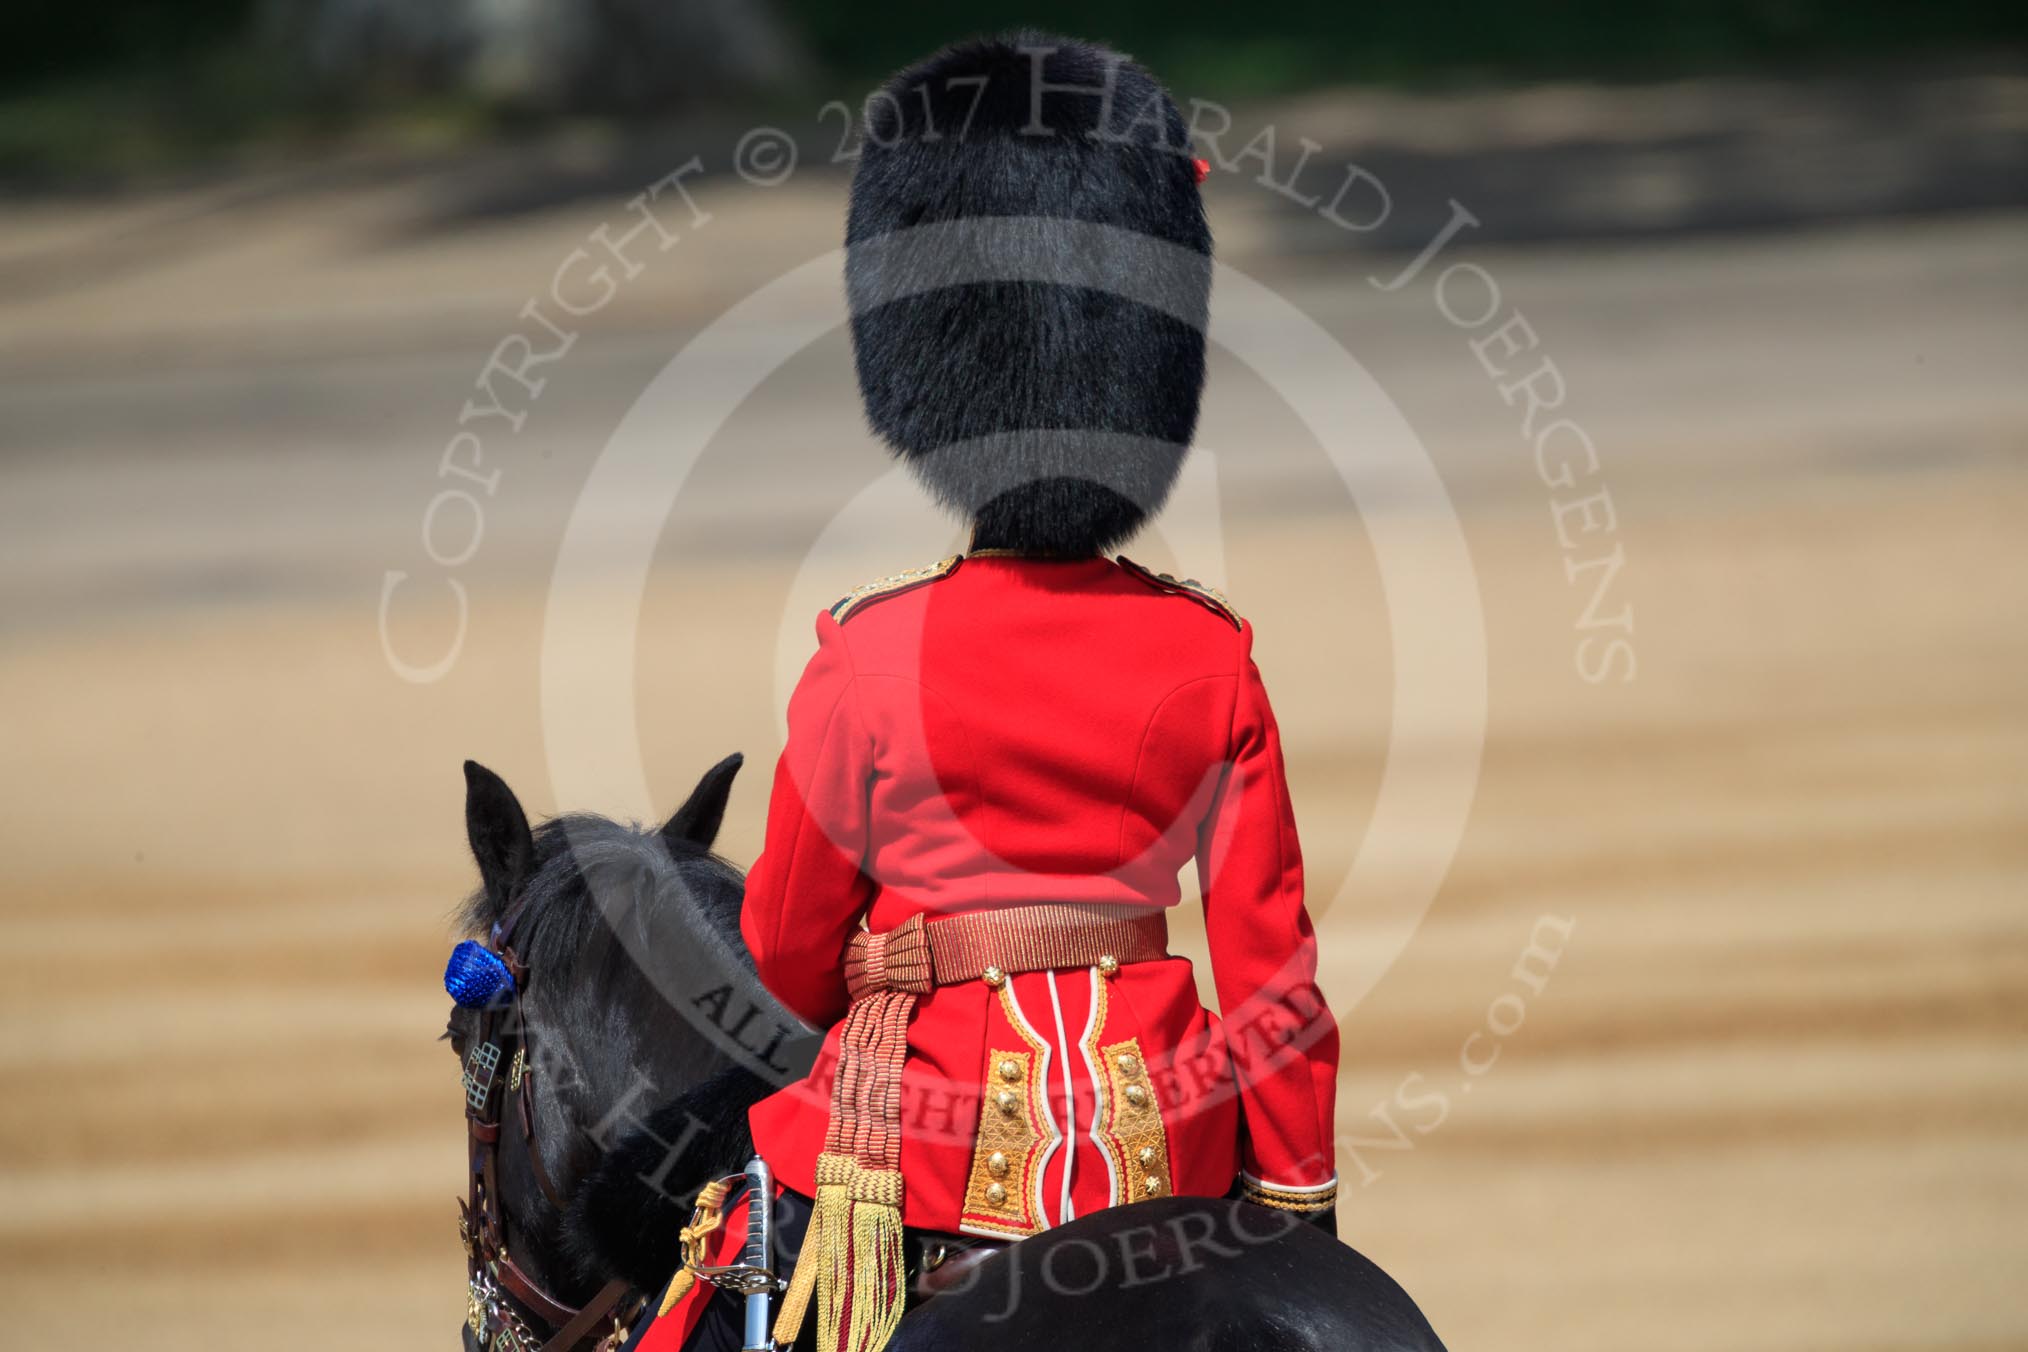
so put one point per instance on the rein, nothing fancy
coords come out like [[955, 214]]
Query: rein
[[507, 1310]]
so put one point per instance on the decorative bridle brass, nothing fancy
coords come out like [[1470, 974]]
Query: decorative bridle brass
[[506, 1309]]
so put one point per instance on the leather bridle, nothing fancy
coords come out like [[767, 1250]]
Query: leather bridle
[[508, 1310]]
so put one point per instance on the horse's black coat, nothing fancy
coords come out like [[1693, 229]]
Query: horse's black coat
[[1015, 401], [623, 1224], [695, 825], [636, 1108], [621, 928], [497, 828], [1184, 1274]]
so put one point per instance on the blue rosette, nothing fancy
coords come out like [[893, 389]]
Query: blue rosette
[[475, 975]]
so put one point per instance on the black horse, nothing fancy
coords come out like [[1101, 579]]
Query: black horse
[[647, 1038]]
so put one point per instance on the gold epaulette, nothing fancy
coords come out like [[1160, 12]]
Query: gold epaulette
[[1209, 597], [890, 585]]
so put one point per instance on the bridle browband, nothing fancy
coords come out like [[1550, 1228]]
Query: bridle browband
[[508, 1310]]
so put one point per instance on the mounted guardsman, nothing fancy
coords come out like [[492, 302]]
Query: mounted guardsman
[[997, 765]]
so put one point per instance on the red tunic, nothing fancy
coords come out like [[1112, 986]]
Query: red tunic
[[1011, 730]]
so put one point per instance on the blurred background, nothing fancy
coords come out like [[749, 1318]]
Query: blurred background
[[259, 259]]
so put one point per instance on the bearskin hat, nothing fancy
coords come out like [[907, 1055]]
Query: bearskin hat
[[1036, 356]]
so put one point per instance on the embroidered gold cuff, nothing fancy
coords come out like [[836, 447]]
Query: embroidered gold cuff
[[1288, 1199]]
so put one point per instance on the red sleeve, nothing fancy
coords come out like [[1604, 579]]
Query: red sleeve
[[806, 892], [1283, 1039]]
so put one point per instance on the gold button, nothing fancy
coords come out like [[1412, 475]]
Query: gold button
[[1010, 1071], [996, 1195], [993, 977], [1109, 966], [996, 1164], [1008, 1101], [1130, 1064], [1146, 1154], [1137, 1096], [1151, 1185]]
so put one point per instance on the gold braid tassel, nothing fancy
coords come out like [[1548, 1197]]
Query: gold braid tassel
[[851, 1263], [679, 1287], [705, 1218], [829, 1229], [862, 1311]]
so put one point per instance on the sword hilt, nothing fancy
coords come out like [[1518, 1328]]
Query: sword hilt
[[758, 1252]]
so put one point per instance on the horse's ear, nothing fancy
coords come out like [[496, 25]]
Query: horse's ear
[[698, 820], [498, 830]]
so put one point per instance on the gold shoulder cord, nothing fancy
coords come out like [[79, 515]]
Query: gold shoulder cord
[[892, 583], [1208, 596]]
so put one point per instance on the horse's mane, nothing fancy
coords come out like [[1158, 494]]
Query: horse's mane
[[595, 880], [629, 869]]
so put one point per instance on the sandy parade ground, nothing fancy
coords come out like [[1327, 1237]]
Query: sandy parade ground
[[1770, 1092]]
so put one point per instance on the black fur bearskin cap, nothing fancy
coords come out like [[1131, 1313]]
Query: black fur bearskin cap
[[1055, 414]]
